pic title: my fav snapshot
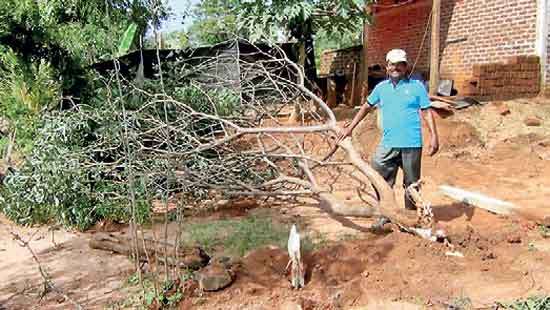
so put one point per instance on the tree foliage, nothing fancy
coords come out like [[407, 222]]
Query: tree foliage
[[71, 34], [79, 171], [335, 24], [76, 29], [25, 90], [215, 21], [211, 22], [65, 179], [299, 19], [47, 46]]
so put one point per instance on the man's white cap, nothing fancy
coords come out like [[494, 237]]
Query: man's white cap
[[396, 55]]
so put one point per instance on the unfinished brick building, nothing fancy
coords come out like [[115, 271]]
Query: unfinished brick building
[[491, 49]]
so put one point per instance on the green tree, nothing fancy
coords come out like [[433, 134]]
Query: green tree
[[78, 29], [215, 21], [212, 22], [71, 34], [46, 47], [176, 39], [301, 20]]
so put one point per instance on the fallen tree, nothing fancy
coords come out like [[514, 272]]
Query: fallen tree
[[204, 125]]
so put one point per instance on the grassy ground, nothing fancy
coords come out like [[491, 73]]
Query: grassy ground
[[236, 237]]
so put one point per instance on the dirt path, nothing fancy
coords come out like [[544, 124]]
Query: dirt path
[[93, 278]]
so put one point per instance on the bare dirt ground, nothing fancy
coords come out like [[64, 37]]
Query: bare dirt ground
[[505, 258], [91, 277]]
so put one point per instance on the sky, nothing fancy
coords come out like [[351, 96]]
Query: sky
[[178, 8]]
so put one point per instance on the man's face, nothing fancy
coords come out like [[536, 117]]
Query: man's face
[[397, 70]]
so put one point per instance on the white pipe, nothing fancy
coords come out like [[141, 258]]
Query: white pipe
[[542, 37], [478, 200]]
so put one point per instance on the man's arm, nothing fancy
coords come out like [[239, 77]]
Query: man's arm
[[427, 116], [434, 141], [369, 104], [365, 109]]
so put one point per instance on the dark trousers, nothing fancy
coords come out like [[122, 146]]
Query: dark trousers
[[387, 161]]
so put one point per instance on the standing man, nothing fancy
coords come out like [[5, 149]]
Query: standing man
[[401, 102]]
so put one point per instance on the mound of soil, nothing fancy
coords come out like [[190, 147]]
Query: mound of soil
[[454, 134]]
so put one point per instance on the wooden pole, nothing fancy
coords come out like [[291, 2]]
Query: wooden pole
[[352, 98], [434, 47], [296, 115], [364, 89]]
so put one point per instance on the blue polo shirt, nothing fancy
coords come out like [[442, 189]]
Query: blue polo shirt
[[400, 107]]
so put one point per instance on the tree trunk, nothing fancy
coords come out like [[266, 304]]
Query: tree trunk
[[434, 47], [364, 89], [295, 116], [309, 64], [190, 257]]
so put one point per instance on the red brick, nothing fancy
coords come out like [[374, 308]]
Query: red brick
[[513, 60], [500, 82], [516, 68], [522, 59], [532, 59], [490, 68], [477, 70]]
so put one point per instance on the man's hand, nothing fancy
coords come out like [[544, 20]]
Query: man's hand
[[344, 132], [434, 141], [434, 145], [349, 126]]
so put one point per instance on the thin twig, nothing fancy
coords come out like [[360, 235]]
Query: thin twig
[[48, 283]]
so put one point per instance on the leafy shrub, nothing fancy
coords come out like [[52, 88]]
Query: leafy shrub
[[53, 185], [78, 171], [59, 182], [220, 102], [531, 303], [26, 89]]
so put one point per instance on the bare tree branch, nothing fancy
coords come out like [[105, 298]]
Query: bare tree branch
[[48, 283]]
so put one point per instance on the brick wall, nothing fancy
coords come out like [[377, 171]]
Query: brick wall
[[503, 80], [472, 32], [341, 60], [494, 30], [400, 28]]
